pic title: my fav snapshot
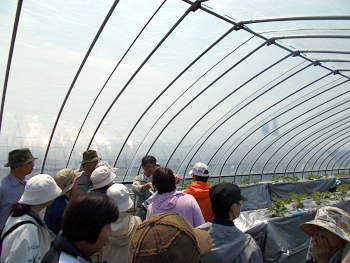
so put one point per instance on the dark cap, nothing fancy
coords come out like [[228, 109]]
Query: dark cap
[[225, 194], [19, 157], [90, 156]]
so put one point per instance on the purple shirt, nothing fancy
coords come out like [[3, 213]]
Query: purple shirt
[[11, 190], [179, 202]]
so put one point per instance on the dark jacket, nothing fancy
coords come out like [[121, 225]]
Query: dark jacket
[[53, 214], [60, 244]]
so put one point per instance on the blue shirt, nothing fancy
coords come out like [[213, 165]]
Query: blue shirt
[[11, 190], [53, 214]]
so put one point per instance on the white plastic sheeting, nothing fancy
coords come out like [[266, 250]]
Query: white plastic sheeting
[[130, 78]]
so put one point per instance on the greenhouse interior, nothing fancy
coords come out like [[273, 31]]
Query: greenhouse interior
[[257, 90]]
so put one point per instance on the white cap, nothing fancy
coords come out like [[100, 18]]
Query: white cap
[[101, 177], [200, 169], [113, 169], [120, 194], [40, 189]]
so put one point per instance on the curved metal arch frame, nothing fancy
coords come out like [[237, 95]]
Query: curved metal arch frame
[[313, 147], [255, 76], [141, 66], [300, 158], [294, 127], [270, 41], [115, 68], [275, 140], [9, 59], [348, 152], [76, 77], [167, 87], [336, 160], [303, 139], [213, 82], [53, 131], [256, 125], [254, 131], [328, 154], [347, 163]]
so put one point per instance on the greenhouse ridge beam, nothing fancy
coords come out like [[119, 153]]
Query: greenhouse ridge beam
[[9, 59], [76, 77], [126, 52], [296, 18]]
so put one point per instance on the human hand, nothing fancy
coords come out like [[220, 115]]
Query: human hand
[[177, 178], [147, 186], [321, 249]]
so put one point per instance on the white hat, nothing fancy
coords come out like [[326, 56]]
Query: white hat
[[40, 189], [200, 169], [120, 194], [113, 169], [101, 177]]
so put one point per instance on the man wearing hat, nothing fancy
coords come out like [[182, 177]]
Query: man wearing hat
[[229, 243], [66, 179], [88, 165], [21, 162], [199, 188]]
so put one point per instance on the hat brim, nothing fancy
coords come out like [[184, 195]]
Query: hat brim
[[104, 183], [309, 228], [68, 187], [92, 160], [203, 240], [12, 164], [243, 198]]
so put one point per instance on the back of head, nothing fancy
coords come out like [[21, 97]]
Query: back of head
[[222, 197], [164, 180], [149, 159], [85, 216], [168, 237]]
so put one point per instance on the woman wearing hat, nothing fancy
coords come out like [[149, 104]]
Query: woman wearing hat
[[66, 179], [330, 232], [116, 249], [102, 178], [25, 237]]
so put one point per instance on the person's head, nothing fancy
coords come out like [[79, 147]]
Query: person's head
[[86, 221], [149, 165], [66, 179], [164, 180], [168, 237], [226, 200], [200, 172], [90, 160], [120, 194], [40, 191], [102, 178], [21, 162], [331, 223]]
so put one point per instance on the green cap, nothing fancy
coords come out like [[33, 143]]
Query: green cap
[[90, 156]]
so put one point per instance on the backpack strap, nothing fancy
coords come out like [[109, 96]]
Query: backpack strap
[[14, 227]]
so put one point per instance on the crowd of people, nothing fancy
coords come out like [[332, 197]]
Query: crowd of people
[[87, 219]]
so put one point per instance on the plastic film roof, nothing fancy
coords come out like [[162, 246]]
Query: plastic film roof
[[251, 88]]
